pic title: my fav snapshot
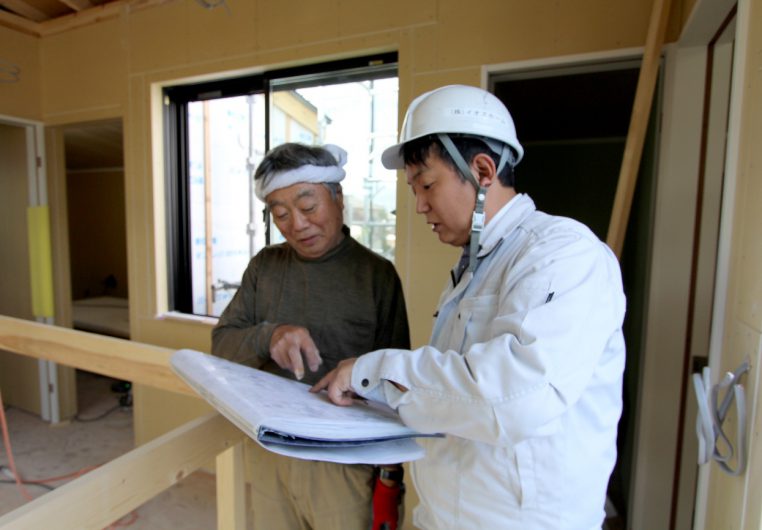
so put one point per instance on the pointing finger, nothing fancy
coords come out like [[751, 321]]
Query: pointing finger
[[322, 384], [297, 365]]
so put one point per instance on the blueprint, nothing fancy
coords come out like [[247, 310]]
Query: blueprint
[[284, 417]]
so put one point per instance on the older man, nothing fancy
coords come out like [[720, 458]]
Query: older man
[[302, 307]]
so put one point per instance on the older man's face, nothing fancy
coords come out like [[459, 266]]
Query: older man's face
[[308, 217]]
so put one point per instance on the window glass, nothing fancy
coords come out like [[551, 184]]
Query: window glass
[[361, 117], [221, 136]]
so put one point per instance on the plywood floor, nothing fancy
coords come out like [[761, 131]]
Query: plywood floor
[[102, 432]]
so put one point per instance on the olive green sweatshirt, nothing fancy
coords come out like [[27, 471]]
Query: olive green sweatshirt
[[350, 300]]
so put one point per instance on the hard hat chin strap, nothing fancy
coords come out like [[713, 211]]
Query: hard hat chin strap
[[506, 155], [477, 219]]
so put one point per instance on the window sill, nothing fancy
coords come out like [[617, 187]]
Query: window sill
[[175, 316]]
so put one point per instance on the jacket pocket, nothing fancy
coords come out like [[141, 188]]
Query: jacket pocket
[[526, 469], [475, 316]]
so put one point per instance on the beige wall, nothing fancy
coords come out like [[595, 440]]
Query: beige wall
[[14, 198], [20, 99], [14, 265], [86, 73]]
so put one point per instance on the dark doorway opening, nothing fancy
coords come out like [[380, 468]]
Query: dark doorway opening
[[96, 208]]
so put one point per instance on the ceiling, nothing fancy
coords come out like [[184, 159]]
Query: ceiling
[[45, 10], [44, 17]]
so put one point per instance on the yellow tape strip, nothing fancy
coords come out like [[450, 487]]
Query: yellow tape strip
[[40, 261]]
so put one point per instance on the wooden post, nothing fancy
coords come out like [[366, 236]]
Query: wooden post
[[636, 134], [231, 489]]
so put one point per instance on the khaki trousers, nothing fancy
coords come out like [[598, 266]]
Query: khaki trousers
[[293, 494]]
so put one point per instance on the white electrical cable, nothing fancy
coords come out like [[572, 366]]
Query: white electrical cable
[[712, 413], [206, 4], [9, 72]]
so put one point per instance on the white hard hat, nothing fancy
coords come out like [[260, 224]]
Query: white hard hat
[[455, 109]]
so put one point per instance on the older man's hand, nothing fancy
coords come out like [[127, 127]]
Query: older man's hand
[[338, 383], [291, 346]]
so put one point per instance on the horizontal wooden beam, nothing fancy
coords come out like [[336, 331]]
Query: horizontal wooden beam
[[24, 9], [112, 491], [84, 15], [95, 14], [123, 359], [15, 22], [77, 5]]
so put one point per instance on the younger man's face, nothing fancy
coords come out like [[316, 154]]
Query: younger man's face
[[446, 200]]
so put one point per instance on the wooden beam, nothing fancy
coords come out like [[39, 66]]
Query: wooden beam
[[24, 9], [96, 14], [636, 134], [231, 489], [77, 5], [15, 22], [123, 359], [106, 494]]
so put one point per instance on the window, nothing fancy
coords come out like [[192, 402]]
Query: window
[[218, 132]]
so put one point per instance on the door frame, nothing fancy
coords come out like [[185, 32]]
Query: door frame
[[48, 377]]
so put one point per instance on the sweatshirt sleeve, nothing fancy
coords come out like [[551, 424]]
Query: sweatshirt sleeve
[[539, 352], [239, 335]]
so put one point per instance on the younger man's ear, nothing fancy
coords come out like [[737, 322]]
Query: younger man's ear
[[485, 169]]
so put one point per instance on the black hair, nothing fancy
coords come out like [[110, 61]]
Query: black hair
[[419, 150]]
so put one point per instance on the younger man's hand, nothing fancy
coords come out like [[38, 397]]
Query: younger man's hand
[[338, 383]]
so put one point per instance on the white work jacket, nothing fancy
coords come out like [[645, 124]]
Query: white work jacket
[[523, 375]]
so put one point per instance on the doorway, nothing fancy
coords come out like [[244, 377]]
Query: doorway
[[97, 227], [96, 219]]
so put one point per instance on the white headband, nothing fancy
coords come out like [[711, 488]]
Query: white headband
[[307, 173]]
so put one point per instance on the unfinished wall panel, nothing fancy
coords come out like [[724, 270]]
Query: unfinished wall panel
[[20, 81], [85, 73], [229, 29], [158, 37]]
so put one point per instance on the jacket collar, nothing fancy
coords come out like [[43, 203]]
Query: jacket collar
[[511, 215]]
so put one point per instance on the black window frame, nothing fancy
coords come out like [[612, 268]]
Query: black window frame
[[176, 100]]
